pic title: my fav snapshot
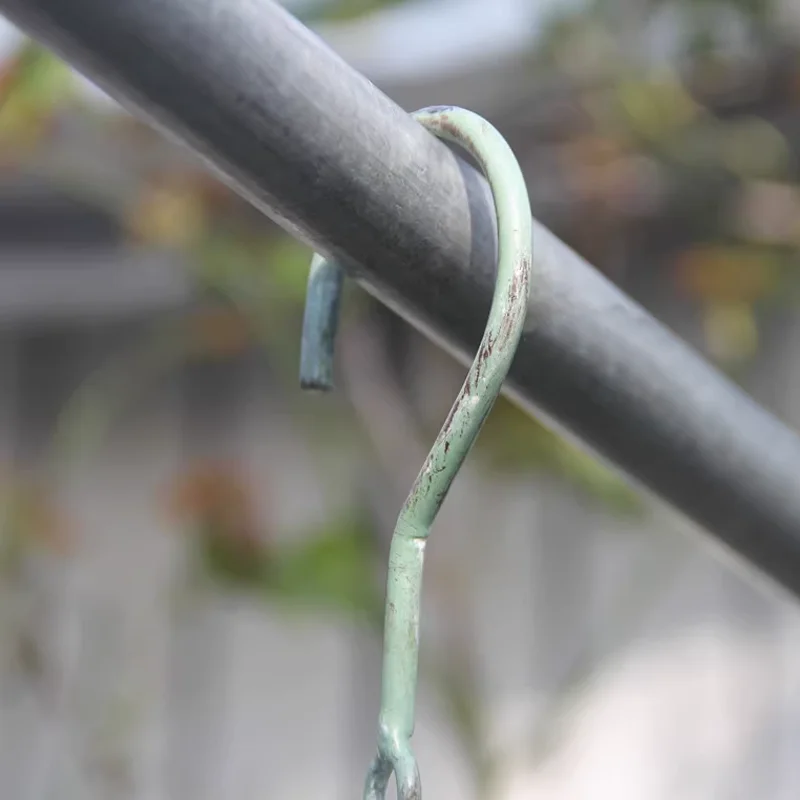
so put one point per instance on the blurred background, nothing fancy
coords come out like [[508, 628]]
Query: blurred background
[[192, 552]]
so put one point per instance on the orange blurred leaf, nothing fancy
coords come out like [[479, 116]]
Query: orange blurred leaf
[[220, 332], [31, 514], [215, 494], [169, 213], [730, 274]]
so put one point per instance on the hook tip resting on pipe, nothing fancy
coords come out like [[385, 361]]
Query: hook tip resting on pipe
[[320, 324]]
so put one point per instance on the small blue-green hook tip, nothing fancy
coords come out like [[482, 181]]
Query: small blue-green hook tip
[[320, 323]]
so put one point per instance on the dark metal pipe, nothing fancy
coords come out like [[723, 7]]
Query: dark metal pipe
[[334, 161]]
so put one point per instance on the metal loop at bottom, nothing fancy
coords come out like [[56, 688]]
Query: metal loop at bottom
[[406, 774]]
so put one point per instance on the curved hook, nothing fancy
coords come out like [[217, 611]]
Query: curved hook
[[472, 406]]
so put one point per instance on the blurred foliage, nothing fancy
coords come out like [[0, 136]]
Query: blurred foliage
[[654, 142], [331, 568], [692, 148], [334, 569], [215, 333], [34, 87], [262, 273], [511, 441], [651, 145], [30, 520]]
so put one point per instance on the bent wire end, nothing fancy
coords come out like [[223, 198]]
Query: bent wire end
[[320, 323]]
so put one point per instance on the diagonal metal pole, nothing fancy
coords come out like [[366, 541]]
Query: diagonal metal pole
[[335, 162]]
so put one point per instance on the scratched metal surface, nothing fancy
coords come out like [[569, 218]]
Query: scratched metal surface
[[322, 151]]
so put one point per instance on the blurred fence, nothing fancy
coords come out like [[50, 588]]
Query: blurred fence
[[610, 654]]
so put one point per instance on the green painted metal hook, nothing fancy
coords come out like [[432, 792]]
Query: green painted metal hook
[[472, 406]]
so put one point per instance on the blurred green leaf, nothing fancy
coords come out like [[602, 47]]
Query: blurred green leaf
[[34, 84], [513, 442], [233, 560], [288, 262], [334, 569], [656, 107], [731, 331], [36, 77], [754, 148], [597, 480]]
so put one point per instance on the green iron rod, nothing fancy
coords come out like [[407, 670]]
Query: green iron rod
[[320, 323], [473, 404]]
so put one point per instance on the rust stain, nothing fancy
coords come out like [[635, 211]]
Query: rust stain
[[483, 356], [449, 421], [517, 290], [448, 126]]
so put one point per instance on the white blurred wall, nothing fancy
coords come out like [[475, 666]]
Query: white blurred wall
[[149, 693]]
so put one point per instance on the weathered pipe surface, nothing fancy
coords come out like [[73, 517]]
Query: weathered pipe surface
[[323, 152]]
